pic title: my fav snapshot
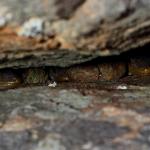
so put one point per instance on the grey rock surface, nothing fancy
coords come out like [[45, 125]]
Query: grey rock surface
[[43, 118]]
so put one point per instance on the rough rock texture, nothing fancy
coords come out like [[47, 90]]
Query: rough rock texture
[[74, 116], [16, 51], [90, 29], [42, 118]]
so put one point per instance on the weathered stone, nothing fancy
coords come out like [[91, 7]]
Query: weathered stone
[[100, 71], [92, 30], [76, 116], [35, 76], [78, 73], [43, 118], [110, 71]]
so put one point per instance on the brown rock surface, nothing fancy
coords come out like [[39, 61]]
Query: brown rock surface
[[96, 28], [74, 116]]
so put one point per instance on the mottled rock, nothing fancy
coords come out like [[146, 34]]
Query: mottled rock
[[110, 71], [34, 27], [75, 116], [78, 73], [51, 141], [35, 76], [38, 118]]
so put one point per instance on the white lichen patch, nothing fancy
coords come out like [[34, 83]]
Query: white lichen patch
[[122, 87], [2, 21], [54, 84], [32, 28]]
